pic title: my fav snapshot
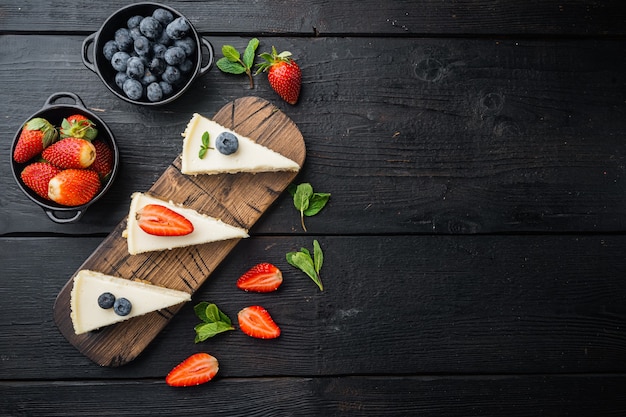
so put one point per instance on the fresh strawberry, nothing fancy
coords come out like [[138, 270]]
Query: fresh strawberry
[[103, 163], [159, 220], [283, 74], [78, 126], [74, 187], [195, 370], [37, 176], [263, 277], [255, 321], [70, 153], [37, 134]]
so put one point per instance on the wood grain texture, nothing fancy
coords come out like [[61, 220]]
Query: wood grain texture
[[237, 199], [546, 304], [328, 18], [440, 136], [450, 396]]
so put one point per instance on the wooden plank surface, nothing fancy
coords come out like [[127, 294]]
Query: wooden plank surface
[[237, 199], [323, 18], [474, 239], [511, 136]]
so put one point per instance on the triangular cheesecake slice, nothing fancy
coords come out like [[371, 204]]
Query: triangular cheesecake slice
[[249, 156], [142, 298], [205, 228]]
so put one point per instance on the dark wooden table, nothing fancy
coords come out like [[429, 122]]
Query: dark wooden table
[[474, 241]]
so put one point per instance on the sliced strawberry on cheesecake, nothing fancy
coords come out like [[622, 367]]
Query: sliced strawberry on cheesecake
[[263, 277], [159, 220]]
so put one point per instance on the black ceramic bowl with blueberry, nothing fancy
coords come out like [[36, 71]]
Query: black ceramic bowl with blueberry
[[56, 108], [147, 54]]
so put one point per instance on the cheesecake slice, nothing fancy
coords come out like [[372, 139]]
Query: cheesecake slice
[[143, 298], [205, 228], [249, 156]]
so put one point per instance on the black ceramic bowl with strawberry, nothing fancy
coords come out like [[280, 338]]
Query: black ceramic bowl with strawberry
[[147, 54], [66, 113]]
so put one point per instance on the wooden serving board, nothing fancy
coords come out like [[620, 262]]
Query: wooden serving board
[[237, 199]]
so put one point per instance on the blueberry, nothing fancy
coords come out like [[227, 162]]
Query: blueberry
[[122, 306], [123, 39], [106, 300], [171, 74], [135, 68], [163, 16], [154, 92], [166, 88], [119, 59], [164, 39], [133, 89], [109, 49], [135, 34], [120, 78], [174, 55], [188, 44], [226, 143], [178, 28], [142, 46], [158, 50], [148, 78], [150, 27], [134, 21], [156, 66], [186, 66]]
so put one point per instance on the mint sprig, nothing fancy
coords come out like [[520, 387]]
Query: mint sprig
[[214, 321], [306, 201], [205, 145], [310, 265], [234, 63]]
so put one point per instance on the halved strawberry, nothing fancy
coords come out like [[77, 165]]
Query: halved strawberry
[[255, 321], [263, 277], [37, 176], [70, 153], [74, 187], [159, 220], [195, 370], [78, 126]]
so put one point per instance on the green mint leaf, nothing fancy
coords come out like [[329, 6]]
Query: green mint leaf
[[208, 330], [304, 262], [230, 53], [248, 54], [205, 145], [230, 67], [301, 200], [214, 321], [318, 256], [316, 203]]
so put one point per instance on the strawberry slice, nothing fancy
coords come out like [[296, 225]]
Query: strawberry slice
[[255, 321], [159, 220], [195, 370], [263, 277]]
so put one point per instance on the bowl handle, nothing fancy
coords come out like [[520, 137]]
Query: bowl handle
[[211, 61], [86, 44], [63, 94], [62, 220]]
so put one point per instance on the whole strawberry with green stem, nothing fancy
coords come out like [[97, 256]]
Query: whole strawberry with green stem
[[36, 135], [283, 74], [78, 126]]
